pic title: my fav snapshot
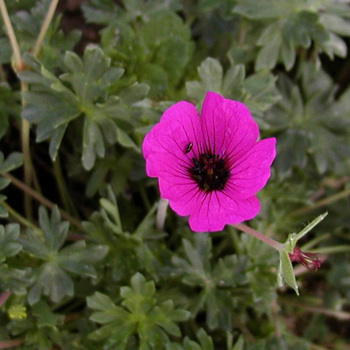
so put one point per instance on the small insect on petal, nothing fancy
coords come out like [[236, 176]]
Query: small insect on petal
[[189, 148]]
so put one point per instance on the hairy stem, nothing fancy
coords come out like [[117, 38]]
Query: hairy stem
[[64, 194], [321, 203], [45, 26], [161, 213], [340, 315], [44, 201], [275, 318], [24, 87], [18, 217], [7, 344], [27, 161], [271, 242], [336, 249], [11, 35], [242, 30]]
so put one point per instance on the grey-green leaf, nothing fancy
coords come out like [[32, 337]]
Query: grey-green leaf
[[287, 272]]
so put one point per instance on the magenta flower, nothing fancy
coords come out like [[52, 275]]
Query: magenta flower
[[209, 166]]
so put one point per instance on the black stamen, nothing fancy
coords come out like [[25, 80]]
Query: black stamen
[[210, 172]]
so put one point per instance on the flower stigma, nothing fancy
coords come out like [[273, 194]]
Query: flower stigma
[[308, 260], [210, 172]]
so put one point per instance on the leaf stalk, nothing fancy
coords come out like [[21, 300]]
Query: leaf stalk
[[12, 36], [41, 199], [161, 213], [18, 217], [45, 26], [321, 203], [7, 344], [267, 240]]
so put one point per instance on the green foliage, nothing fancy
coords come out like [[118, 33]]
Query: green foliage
[[311, 123], [41, 327], [257, 91], [293, 24], [117, 169], [196, 271], [278, 343], [52, 105], [216, 282], [8, 106], [127, 251], [205, 343], [8, 241], [11, 278], [139, 313], [52, 276], [104, 11], [13, 161], [138, 27], [27, 25], [162, 55]]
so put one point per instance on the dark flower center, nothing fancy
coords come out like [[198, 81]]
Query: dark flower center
[[210, 172]]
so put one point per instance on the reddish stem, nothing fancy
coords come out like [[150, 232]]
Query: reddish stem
[[7, 344], [4, 296], [269, 241]]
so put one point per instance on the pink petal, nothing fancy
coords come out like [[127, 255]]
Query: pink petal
[[217, 210], [226, 129], [251, 171], [178, 127], [187, 202], [167, 164], [227, 126], [175, 182], [172, 173]]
